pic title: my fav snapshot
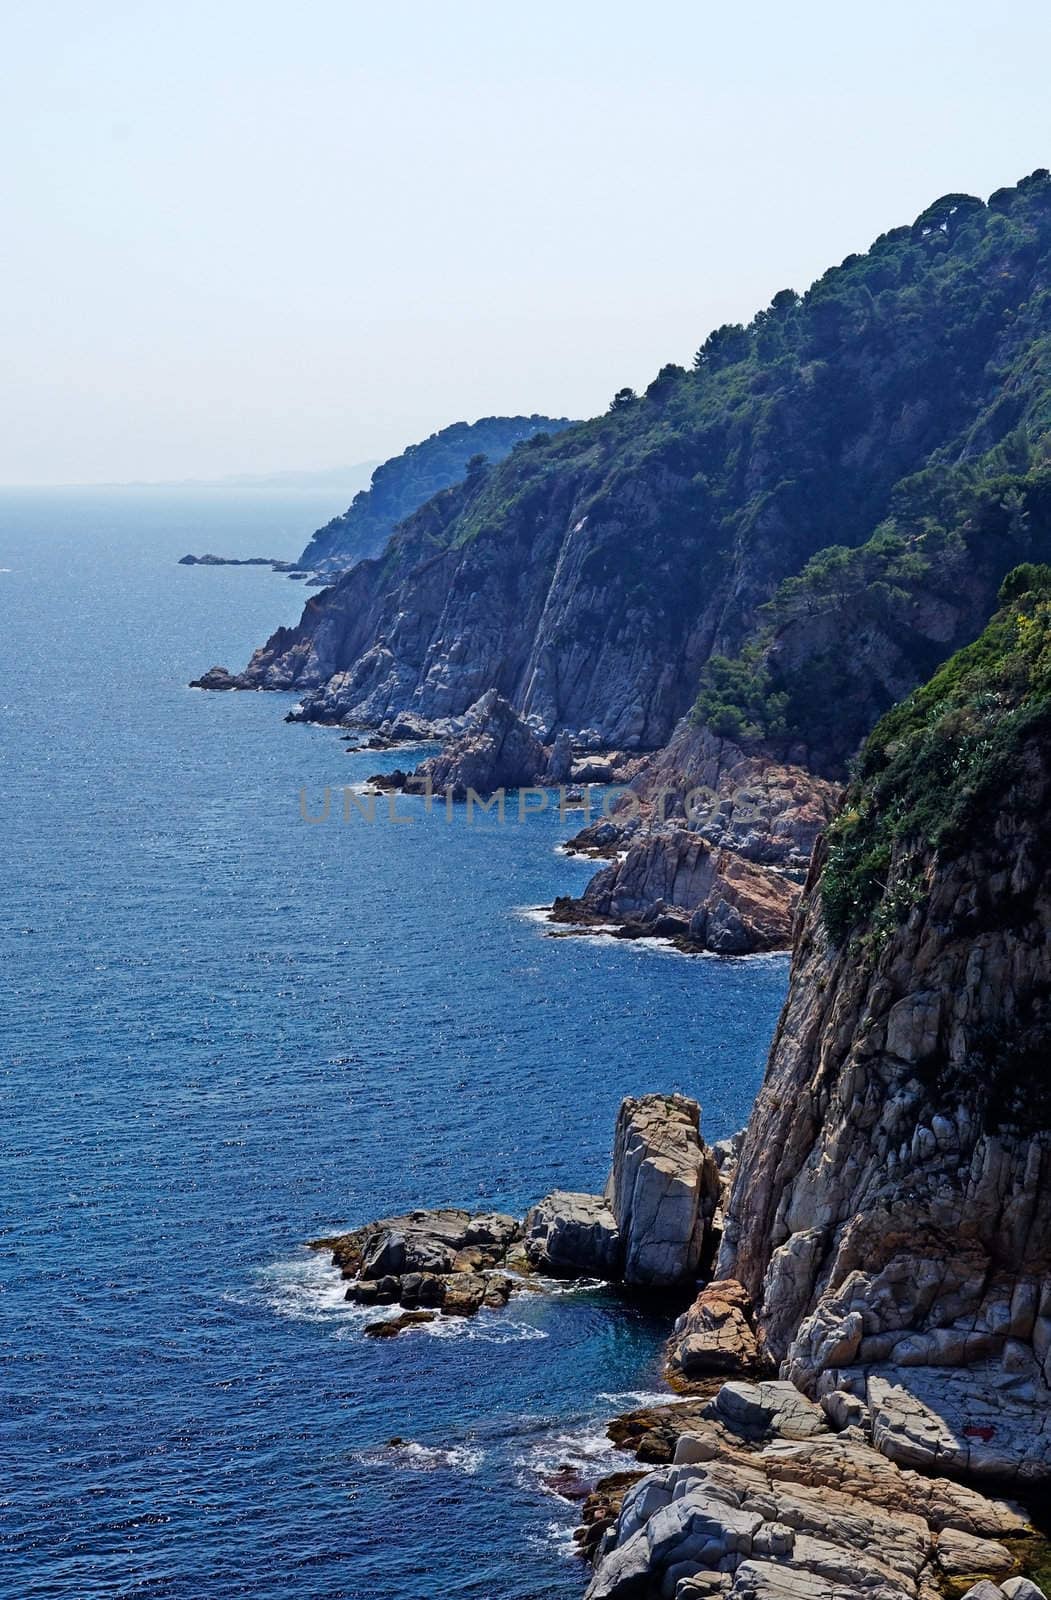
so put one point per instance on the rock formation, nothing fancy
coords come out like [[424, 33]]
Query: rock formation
[[652, 1229], [716, 1334], [891, 1213], [762, 1501], [653, 1226], [663, 1189], [574, 1236], [709, 848], [496, 750], [446, 1260]]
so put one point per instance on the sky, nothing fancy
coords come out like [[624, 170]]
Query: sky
[[247, 237]]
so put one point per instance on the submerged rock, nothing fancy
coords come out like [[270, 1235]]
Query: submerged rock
[[392, 1326]]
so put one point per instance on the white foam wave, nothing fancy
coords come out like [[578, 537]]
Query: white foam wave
[[308, 1288], [414, 1457], [485, 1329], [640, 1397], [557, 1536]]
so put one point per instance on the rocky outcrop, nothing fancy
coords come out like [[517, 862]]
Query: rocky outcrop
[[242, 561], [672, 885], [708, 848], [497, 750], [653, 1228], [716, 1334], [444, 1260], [663, 1189], [574, 1236], [891, 1213], [761, 1499], [215, 678]]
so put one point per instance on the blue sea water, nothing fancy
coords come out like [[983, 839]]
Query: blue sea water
[[227, 1031]]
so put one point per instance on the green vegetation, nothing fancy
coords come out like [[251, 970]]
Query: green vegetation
[[402, 484], [851, 612], [940, 762], [802, 527]]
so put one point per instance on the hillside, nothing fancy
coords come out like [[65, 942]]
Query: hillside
[[402, 484], [902, 404]]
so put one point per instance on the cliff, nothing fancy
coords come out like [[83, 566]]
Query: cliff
[[891, 1213], [401, 485], [591, 577], [887, 1239]]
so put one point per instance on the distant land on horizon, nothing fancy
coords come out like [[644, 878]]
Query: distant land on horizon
[[345, 479]]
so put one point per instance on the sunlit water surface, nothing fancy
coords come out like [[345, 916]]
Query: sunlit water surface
[[228, 1031]]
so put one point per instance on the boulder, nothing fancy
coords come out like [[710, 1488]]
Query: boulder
[[715, 1335], [573, 1235]]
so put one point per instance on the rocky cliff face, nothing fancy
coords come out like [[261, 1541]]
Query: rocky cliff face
[[588, 578], [891, 1214]]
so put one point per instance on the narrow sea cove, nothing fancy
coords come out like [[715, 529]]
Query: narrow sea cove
[[229, 1031]]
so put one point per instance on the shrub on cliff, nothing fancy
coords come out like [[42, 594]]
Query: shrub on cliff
[[935, 768]]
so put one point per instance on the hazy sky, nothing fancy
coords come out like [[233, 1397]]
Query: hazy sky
[[243, 236]]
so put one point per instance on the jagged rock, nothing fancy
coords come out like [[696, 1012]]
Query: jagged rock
[[821, 1516], [445, 1259], [574, 1235], [890, 1215], [673, 885], [663, 1189], [496, 750], [715, 1335]]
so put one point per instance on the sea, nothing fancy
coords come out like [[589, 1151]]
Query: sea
[[228, 1029]]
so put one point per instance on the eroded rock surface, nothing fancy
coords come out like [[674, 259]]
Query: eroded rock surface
[[709, 848], [497, 750], [716, 1334], [663, 1189], [761, 1499], [654, 1225], [891, 1212], [574, 1235]]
